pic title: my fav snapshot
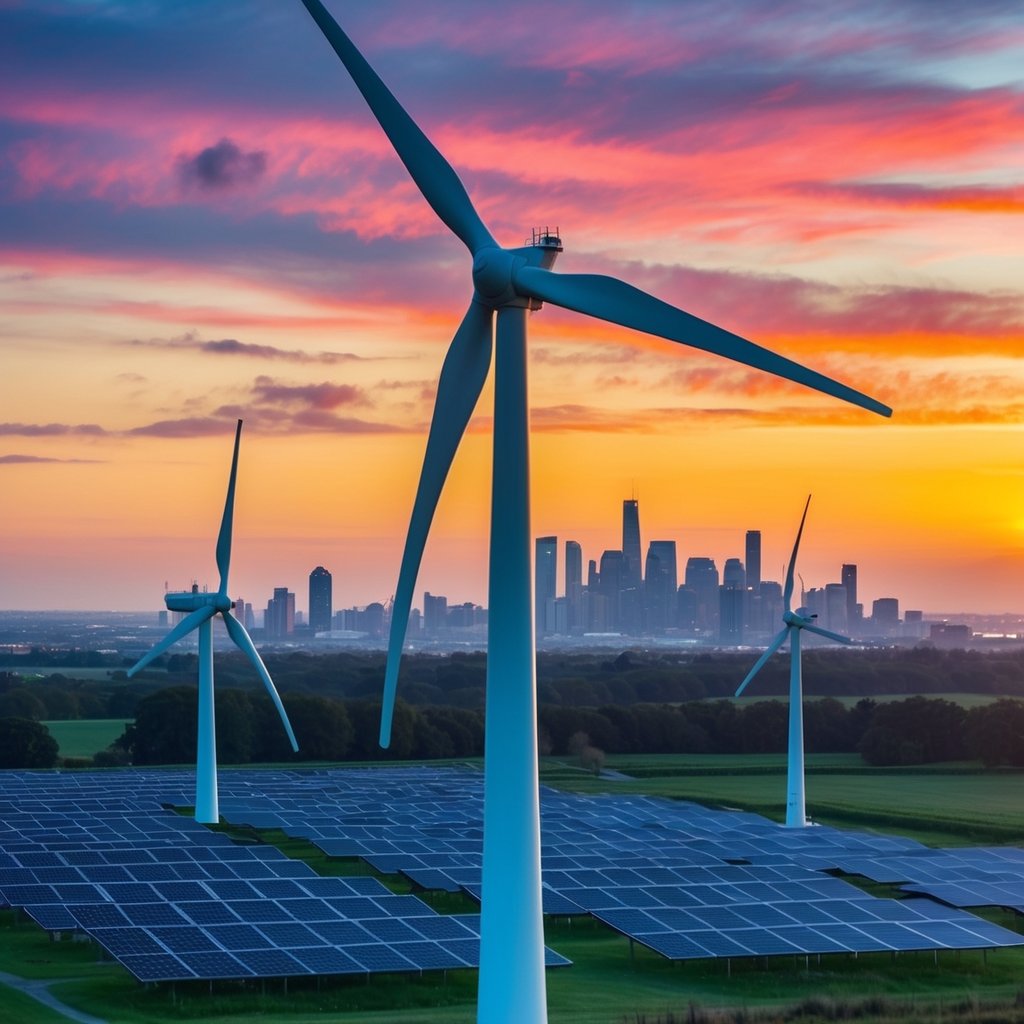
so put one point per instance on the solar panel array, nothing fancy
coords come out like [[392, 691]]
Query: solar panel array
[[170, 900], [968, 877], [685, 880]]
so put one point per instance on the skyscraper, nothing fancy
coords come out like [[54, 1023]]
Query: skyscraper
[[279, 621], [435, 612], [702, 582], [632, 562], [613, 571], [753, 559], [545, 575], [836, 605], [848, 578], [573, 585], [320, 600], [660, 585], [731, 597]]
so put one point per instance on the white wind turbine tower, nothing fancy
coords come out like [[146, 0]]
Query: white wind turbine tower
[[202, 607], [507, 284], [795, 622]]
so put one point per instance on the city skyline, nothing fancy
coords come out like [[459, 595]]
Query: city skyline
[[186, 239], [558, 574]]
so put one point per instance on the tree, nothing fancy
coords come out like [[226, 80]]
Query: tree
[[995, 733], [165, 727], [21, 702], [26, 744], [321, 726]]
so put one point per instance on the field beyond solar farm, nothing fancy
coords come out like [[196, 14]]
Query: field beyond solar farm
[[614, 980]]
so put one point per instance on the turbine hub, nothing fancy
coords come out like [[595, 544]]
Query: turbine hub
[[493, 269]]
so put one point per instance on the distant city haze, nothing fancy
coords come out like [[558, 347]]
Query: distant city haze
[[185, 240]]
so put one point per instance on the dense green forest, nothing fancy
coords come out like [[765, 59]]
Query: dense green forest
[[633, 702]]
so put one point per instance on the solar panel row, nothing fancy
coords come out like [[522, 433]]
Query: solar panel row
[[682, 879]]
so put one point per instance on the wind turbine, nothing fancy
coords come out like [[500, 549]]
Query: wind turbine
[[507, 284], [795, 622], [202, 607]]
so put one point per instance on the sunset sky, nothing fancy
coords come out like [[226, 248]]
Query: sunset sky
[[200, 220]]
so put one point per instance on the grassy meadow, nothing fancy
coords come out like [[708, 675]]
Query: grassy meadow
[[83, 737]]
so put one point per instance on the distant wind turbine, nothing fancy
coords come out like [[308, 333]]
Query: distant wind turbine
[[202, 607], [795, 622], [510, 283]]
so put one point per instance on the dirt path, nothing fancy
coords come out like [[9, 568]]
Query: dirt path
[[40, 991]]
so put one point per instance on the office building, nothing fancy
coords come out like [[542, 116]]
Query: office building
[[573, 586], [632, 564], [435, 612], [321, 608], [848, 578], [731, 602], [544, 581], [612, 577], [660, 586], [836, 608], [701, 579], [752, 554], [279, 619], [885, 615]]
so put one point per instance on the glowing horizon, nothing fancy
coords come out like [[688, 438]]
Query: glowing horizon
[[199, 220]]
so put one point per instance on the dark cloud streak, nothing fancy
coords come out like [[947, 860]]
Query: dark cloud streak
[[222, 166]]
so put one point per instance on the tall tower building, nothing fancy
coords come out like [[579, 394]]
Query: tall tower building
[[573, 585], [848, 578], [836, 605], [660, 585], [702, 582], [279, 621], [321, 606], [435, 612], [731, 598], [632, 560], [545, 575], [613, 572], [753, 559]]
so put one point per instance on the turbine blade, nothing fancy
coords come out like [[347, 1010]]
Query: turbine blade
[[458, 388], [244, 643], [191, 621], [777, 642], [224, 537], [787, 593], [610, 299], [828, 634], [433, 175]]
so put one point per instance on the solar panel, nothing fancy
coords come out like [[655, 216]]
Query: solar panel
[[53, 917], [157, 967], [127, 941], [326, 960], [215, 965], [270, 963]]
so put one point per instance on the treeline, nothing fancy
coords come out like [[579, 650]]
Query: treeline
[[917, 730], [565, 679]]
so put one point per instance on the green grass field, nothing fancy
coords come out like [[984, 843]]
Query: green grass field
[[610, 983], [946, 804], [83, 737]]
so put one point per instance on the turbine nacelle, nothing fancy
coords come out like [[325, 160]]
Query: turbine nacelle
[[800, 618], [193, 600]]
